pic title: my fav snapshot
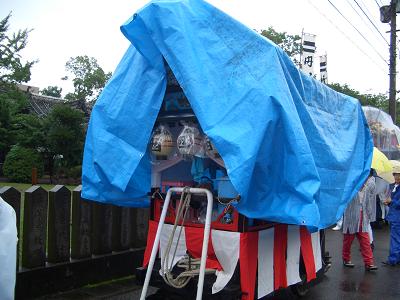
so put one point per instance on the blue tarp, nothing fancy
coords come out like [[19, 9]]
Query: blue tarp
[[294, 149]]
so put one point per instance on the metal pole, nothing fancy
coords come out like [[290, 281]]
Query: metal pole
[[392, 62], [207, 229], [301, 50], [155, 246]]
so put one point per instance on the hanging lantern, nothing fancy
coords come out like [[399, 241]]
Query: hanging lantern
[[189, 141], [161, 143]]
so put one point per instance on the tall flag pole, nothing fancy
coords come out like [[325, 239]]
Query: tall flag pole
[[308, 51], [323, 71], [301, 51]]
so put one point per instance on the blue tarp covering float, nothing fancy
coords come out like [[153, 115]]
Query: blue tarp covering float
[[295, 150]]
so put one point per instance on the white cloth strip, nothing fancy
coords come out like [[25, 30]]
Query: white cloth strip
[[265, 262], [293, 255], [226, 247], [316, 245], [180, 252]]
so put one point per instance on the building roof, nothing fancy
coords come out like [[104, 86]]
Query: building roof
[[42, 105]]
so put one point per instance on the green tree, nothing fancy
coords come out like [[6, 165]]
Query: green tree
[[12, 69], [52, 91], [291, 44], [12, 103], [89, 79], [27, 130], [64, 130]]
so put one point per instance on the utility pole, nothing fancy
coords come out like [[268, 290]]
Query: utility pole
[[392, 61]]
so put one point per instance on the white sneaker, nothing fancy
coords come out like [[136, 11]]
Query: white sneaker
[[336, 228]]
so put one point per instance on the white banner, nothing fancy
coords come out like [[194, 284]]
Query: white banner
[[265, 262], [316, 245], [323, 71], [226, 247], [307, 55], [293, 255]]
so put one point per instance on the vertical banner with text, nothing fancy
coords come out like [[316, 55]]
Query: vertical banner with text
[[308, 51], [323, 71]]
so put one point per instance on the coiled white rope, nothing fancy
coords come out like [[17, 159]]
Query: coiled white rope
[[191, 266]]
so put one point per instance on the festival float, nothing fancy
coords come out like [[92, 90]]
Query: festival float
[[243, 159]]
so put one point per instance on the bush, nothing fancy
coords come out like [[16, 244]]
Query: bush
[[75, 172], [19, 163]]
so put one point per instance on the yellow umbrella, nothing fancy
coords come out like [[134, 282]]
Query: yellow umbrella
[[382, 165]]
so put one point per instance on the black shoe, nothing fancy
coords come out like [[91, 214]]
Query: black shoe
[[388, 263], [348, 264], [371, 268]]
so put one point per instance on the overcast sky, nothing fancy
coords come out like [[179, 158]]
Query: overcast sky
[[64, 29]]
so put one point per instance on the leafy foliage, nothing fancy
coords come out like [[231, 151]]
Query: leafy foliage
[[19, 163], [75, 172], [27, 130], [52, 91], [30, 138], [64, 128], [12, 103], [291, 44], [89, 78], [12, 69]]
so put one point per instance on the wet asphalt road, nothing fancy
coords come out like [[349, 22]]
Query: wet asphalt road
[[344, 283], [338, 283]]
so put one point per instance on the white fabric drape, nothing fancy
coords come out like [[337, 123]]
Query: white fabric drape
[[316, 250], [265, 262], [293, 255], [226, 247]]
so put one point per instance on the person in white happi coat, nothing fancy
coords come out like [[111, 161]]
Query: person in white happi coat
[[356, 223]]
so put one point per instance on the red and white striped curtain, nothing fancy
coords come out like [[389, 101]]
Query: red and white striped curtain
[[277, 256]]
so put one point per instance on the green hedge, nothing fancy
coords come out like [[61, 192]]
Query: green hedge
[[19, 163]]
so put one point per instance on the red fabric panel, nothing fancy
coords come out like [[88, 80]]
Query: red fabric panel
[[194, 243], [248, 263], [307, 253], [280, 245], [151, 236]]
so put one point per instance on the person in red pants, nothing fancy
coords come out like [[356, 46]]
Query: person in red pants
[[355, 224]]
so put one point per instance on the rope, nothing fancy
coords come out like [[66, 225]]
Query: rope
[[191, 266]]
